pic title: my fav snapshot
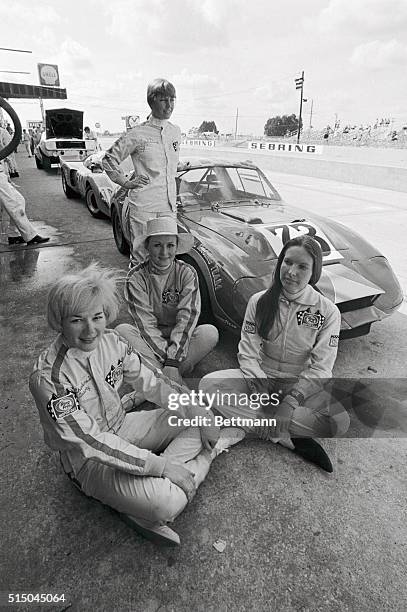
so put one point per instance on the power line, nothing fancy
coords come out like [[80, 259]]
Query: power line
[[232, 93], [16, 50]]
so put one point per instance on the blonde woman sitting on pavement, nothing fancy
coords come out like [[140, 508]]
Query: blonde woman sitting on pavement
[[139, 463], [287, 350], [163, 299]]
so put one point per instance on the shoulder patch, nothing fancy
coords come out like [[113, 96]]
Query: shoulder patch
[[61, 406], [334, 340], [175, 144], [250, 327]]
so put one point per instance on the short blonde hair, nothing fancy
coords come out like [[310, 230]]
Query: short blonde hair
[[160, 87], [75, 292]]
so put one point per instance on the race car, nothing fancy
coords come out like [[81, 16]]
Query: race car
[[240, 224], [62, 139]]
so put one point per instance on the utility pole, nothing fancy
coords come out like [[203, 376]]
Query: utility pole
[[310, 117], [299, 84], [42, 111], [237, 116]]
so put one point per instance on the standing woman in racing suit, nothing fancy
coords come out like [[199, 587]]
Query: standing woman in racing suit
[[288, 347]]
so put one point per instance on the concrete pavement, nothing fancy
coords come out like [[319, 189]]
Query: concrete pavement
[[297, 539]]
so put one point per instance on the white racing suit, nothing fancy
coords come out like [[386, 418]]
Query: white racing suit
[[154, 149], [110, 453], [299, 355]]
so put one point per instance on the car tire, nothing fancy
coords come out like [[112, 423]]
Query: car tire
[[68, 191], [91, 203], [121, 242], [16, 139], [46, 163], [38, 163], [206, 315]]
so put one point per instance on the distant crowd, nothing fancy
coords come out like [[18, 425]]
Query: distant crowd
[[379, 134]]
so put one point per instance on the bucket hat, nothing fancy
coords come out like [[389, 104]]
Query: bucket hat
[[164, 226]]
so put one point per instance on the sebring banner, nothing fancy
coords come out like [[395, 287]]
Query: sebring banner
[[285, 147]]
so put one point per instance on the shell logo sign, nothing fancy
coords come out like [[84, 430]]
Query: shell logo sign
[[48, 74]]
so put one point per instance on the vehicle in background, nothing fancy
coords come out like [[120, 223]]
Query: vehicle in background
[[89, 181], [63, 139]]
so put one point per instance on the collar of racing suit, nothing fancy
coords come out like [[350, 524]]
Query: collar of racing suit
[[308, 296], [161, 123], [155, 270]]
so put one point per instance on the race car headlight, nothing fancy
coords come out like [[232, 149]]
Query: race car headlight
[[51, 146]]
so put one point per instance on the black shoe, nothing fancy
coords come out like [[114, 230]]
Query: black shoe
[[37, 240], [16, 240], [311, 451], [159, 534], [14, 175]]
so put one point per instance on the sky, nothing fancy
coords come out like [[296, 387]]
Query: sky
[[232, 61]]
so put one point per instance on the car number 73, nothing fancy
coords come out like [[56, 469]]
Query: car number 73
[[278, 235]]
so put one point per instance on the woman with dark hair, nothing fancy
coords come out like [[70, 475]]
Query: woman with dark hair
[[287, 351]]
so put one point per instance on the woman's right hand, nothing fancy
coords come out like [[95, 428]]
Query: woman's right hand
[[183, 478], [140, 180]]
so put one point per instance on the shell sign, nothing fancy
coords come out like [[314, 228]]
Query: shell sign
[[49, 74]]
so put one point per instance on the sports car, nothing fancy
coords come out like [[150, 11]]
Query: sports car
[[62, 139], [88, 180], [240, 224]]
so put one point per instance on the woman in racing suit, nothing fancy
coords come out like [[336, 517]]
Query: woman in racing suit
[[142, 464], [287, 351], [163, 299]]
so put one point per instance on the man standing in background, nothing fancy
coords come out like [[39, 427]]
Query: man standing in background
[[20, 229]]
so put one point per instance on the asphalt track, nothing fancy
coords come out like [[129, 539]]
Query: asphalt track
[[297, 539]]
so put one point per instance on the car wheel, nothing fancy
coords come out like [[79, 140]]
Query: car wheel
[[68, 191], [206, 315], [121, 242], [38, 163], [91, 203], [46, 163], [16, 139]]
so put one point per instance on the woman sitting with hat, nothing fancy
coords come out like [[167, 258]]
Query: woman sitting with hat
[[164, 302]]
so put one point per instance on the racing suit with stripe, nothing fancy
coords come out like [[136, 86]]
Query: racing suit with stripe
[[154, 149], [109, 452], [298, 355], [165, 308]]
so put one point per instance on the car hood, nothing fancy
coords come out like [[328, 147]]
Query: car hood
[[63, 123], [261, 230]]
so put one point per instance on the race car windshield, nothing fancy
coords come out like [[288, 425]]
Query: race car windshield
[[224, 185]]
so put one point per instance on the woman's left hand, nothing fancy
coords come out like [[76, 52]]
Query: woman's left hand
[[283, 416]]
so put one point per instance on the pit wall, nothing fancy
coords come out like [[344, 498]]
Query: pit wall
[[380, 168], [382, 177]]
